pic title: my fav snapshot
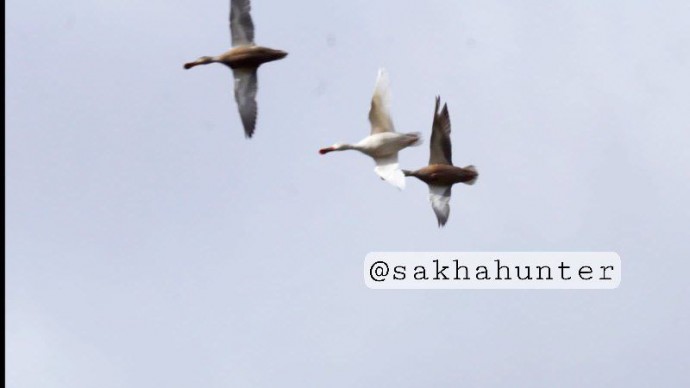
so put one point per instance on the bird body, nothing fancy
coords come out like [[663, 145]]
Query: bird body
[[444, 174], [244, 58], [378, 145], [440, 175], [383, 144]]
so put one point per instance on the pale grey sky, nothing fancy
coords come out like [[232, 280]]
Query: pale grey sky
[[150, 245]]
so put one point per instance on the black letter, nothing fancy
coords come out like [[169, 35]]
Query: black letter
[[603, 272], [420, 270], [399, 270], [587, 272], [457, 270], [540, 267], [562, 267], [517, 268], [438, 273], [485, 271], [498, 270]]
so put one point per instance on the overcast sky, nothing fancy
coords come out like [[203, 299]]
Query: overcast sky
[[150, 245]]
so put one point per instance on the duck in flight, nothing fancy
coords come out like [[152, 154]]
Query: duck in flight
[[440, 175], [383, 143], [244, 58]]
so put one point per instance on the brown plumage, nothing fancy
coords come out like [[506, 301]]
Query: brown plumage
[[244, 58], [440, 175]]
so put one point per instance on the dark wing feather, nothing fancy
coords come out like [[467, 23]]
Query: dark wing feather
[[441, 149]]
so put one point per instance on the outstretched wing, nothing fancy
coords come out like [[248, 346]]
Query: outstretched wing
[[441, 149], [379, 113], [439, 196], [241, 25], [245, 95]]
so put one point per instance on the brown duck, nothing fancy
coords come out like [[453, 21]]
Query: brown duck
[[440, 174], [244, 58]]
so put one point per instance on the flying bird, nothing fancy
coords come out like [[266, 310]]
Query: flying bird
[[440, 174], [244, 58], [383, 143]]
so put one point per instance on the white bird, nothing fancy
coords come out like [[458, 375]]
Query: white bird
[[384, 143]]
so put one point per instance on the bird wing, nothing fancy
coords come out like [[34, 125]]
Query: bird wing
[[379, 113], [388, 169], [245, 95], [439, 197], [241, 25], [441, 149]]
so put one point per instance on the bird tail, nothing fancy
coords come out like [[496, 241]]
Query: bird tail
[[476, 174], [414, 139]]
